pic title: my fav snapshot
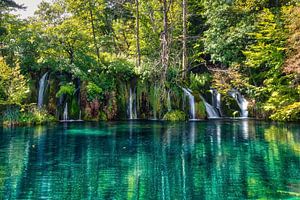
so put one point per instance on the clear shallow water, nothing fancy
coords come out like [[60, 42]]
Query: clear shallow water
[[151, 160]]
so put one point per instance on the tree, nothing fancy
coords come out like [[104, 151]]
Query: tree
[[165, 41], [184, 39], [266, 54], [226, 35], [13, 85], [138, 48], [10, 4], [292, 63]]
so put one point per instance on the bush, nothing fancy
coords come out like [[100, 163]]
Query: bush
[[93, 91], [176, 115], [199, 81], [13, 85], [13, 115], [67, 89], [288, 113], [120, 69]]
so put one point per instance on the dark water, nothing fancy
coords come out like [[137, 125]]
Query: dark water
[[151, 160]]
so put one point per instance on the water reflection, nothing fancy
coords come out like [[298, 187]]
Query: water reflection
[[151, 160]]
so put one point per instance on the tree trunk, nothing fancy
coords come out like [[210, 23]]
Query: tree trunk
[[94, 32], [164, 42], [184, 39], [138, 50]]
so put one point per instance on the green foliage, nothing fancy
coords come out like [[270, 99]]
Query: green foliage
[[283, 104], [200, 81], [13, 85], [268, 49], [200, 110], [250, 45], [13, 115], [287, 113], [67, 89], [120, 69], [93, 91], [226, 35], [35, 116], [176, 115]]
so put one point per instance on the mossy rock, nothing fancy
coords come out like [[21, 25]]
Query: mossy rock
[[200, 110], [102, 116], [175, 115]]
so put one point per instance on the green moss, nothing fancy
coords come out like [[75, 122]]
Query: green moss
[[176, 115], [74, 109], [155, 101], [200, 110], [122, 97], [230, 107], [102, 116]]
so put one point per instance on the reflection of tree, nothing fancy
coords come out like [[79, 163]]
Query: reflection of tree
[[13, 164], [284, 137]]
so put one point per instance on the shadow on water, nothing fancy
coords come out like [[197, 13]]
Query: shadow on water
[[218, 159]]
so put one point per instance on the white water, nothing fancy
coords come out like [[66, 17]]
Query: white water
[[65, 114], [210, 110], [132, 105], [155, 104], [188, 93], [241, 101], [216, 101], [169, 102], [79, 118], [42, 87]]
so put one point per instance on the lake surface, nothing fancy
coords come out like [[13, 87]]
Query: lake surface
[[151, 160]]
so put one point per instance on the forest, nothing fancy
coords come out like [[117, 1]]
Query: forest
[[150, 59]]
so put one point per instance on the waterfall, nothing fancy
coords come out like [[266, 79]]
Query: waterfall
[[65, 115], [241, 101], [131, 110], [216, 100], [155, 103], [188, 93], [42, 88], [211, 111], [169, 106]]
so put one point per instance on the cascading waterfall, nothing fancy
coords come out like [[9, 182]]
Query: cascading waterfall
[[211, 111], [241, 101], [42, 88], [188, 93], [216, 100], [155, 102], [65, 114], [169, 106], [79, 118], [132, 104]]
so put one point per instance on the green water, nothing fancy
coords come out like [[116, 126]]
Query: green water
[[151, 160]]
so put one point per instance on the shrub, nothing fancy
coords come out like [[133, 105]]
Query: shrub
[[67, 89], [288, 113], [176, 115], [13, 115], [199, 81], [13, 85], [93, 91]]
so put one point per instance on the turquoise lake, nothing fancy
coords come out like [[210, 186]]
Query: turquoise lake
[[217, 159]]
